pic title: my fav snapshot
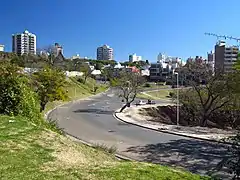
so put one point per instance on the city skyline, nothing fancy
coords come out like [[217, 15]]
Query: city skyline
[[179, 33]]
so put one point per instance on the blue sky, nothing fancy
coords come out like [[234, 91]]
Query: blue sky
[[145, 27]]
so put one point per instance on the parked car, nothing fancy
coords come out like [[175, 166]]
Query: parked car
[[151, 102], [140, 102]]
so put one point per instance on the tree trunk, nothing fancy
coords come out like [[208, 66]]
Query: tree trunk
[[85, 79], [124, 107], [42, 106], [203, 122]]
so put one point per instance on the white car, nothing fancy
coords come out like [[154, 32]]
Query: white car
[[140, 102]]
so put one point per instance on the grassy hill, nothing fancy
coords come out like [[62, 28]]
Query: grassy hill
[[31, 152], [78, 90]]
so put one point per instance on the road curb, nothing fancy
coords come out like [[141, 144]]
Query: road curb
[[168, 132], [75, 138]]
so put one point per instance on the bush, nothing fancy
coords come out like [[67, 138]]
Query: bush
[[171, 94], [80, 80], [16, 97], [147, 85]]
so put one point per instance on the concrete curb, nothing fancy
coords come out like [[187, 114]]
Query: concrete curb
[[168, 132], [76, 139]]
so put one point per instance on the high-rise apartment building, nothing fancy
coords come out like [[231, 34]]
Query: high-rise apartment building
[[104, 53], [24, 43], [134, 58], [1, 48], [225, 57]]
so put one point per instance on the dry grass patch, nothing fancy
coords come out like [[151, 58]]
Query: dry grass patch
[[69, 154]]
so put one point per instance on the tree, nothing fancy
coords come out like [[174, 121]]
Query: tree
[[48, 54], [207, 95], [129, 84], [232, 161], [50, 85], [16, 96], [107, 73], [86, 70], [98, 66]]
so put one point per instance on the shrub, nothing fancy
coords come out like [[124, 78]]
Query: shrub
[[80, 80], [50, 85], [171, 94], [147, 85], [16, 97]]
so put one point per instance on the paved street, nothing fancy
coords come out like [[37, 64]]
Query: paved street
[[92, 121]]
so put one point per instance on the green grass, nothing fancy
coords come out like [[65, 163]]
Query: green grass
[[77, 90], [161, 94], [30, 152], [155, 95], [154, 86]]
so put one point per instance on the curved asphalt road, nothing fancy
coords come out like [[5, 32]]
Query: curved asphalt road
[[92, 120]]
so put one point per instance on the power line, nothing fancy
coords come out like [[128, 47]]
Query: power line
[[224, 37]]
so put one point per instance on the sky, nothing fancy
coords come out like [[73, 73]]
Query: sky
[[144, 27]]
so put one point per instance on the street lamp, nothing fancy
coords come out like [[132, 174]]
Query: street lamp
[[177, 99]]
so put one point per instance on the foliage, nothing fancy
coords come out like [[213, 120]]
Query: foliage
[[98, 66], [201, 101], [16, 96], [147, 85], [232, 162], [129, 84], [137, 64], [50, 85], [105, 148], [107, 73], [113, 82], [86, 70], [95, 88]]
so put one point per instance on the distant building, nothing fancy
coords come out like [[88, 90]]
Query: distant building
[[1, 48], [225, 57], [57, 49], [155, 71], [104, 53], [77, 56], [24, 43], [211, 60], [134, 58]]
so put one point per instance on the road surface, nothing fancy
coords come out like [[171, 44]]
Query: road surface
[[92, 121]]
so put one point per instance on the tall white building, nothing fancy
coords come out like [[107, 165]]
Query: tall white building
[[1, 48], [104, 53], [24, 43], [134, 58]]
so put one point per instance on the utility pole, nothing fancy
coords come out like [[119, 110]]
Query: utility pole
[[176, 73]]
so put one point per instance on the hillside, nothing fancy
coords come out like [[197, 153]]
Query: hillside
[[78, 90], [30, 152]]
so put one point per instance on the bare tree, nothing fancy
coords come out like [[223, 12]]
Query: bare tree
[[129, 84], [48, 54], [86, 70]]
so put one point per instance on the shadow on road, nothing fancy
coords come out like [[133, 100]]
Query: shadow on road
[[196, 156], [94, 111]]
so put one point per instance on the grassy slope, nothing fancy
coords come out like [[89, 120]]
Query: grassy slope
[[155, 95], [77, 90], [29, 152]]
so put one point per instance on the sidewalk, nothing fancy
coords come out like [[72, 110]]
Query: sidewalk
[[132, 115]]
